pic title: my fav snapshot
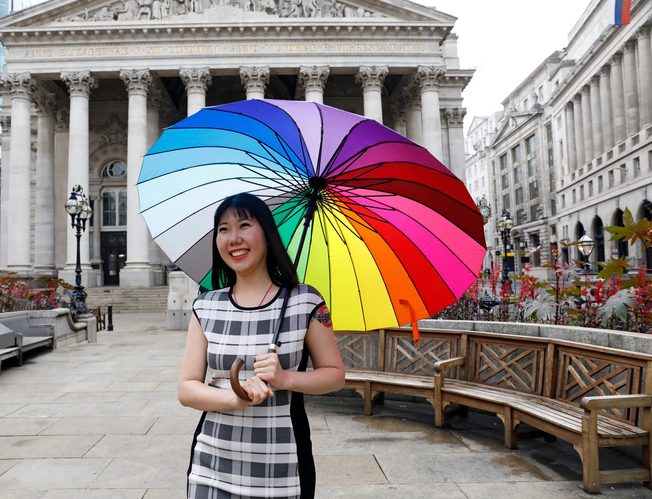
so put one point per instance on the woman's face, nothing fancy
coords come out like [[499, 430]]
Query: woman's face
[[241, 243]]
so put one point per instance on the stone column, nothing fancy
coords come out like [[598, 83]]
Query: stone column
[[45, 208], [427, 79], [313, 80], [254, 79], [371, 78], [605, 107], [19, 195], [413, 114], [136, 272], [579, 130], [645, 73], [630, 78], [455, 119], [154, 100], [570, 137], [596, 116], [196, 81], [5, 122], [618, 97], [586, 121], [79, 84]]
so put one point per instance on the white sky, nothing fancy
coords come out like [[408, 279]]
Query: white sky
[[504, 41]]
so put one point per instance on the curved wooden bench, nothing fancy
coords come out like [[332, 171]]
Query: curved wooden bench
[[588, 395]]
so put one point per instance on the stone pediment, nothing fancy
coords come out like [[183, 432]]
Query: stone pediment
[[93, 12]]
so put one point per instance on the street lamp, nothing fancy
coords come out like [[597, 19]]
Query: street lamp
[[505, 225], [80, 211], [585, 246]]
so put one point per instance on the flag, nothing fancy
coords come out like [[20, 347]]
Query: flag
[[622, 10]]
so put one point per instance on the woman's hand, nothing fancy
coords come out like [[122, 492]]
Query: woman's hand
[[268, 368], [257, 390]]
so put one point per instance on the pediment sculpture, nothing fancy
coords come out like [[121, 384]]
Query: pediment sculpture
[[153, 10]]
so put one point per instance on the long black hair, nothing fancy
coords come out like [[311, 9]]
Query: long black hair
[[279, 265]]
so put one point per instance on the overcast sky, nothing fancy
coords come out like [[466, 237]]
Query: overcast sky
[[504, 41]]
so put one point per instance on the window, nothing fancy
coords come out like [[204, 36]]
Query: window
[[516, 153], [518, 196], [549, 133], [553, 207], [115, 169], [612, 178], [534, 190], [530, 145], [534, 212], [637, 167], [563, 201], [574, 196], [506, 205], [600, 183], [581, 193], [518, 174], [505, 181], [623, 173], [532, 167], [590, 188], [503, 162], [114, 207]]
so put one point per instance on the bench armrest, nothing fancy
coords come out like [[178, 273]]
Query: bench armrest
[[442, 365], [615, 402]]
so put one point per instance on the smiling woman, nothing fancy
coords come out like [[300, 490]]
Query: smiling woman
[[268, 438]]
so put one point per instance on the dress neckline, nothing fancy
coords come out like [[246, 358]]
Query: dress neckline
[[259, 307]]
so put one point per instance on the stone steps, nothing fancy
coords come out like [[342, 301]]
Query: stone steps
[[152, 299]]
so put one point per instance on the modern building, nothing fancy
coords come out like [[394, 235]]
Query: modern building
[[106, 76]]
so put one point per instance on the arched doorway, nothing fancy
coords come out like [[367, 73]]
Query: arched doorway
[[113, 242], [579, 232], [597, 233], [621, 245]]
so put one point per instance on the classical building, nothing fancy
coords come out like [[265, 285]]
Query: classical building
[[601, 116], [88, 86]]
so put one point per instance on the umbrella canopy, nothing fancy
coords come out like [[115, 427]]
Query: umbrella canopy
[[394, 236]]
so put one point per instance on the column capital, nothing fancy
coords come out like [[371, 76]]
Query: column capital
[[595, 80], [605, 70], [617, 57], [429, 77], [371, 77], [20, 85], [137, 81], [79, 83], [454, 116], [254, 77], [585, 90], [313, 78], [45, 102], [629, 45], [643, 31], [196, 79], [569, 105]]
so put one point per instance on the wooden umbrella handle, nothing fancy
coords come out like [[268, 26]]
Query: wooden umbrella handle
[[234, 377]]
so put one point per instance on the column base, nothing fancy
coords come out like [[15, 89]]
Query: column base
[[182, 292], [136, 276], [20, 271], [48, 272], [90, 277]]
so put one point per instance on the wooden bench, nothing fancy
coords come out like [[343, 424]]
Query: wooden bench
[[590, 396]]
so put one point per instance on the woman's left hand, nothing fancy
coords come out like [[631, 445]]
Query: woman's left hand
[[268, 368]]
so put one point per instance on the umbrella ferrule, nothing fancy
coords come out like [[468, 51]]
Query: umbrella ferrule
[[272, 347]]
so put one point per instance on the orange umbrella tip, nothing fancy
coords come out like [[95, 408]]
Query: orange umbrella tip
[[413, 320]]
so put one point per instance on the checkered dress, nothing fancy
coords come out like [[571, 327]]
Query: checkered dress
[[252, 452]]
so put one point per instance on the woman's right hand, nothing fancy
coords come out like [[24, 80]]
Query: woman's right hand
[[257, 390]]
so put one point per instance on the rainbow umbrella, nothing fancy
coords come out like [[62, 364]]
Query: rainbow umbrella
[[379, 226]]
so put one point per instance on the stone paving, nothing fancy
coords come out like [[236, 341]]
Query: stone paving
[[101, 421]]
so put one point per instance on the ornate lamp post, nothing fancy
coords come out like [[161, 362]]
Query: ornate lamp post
[[505, 225], [585, 245], [80, 211]]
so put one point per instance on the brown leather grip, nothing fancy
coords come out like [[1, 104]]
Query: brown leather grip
[[234, 377]]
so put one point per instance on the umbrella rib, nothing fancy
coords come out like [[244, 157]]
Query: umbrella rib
[[332, 204], [292, 178]]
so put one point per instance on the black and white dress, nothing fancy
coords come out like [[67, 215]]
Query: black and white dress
[[263, 450]]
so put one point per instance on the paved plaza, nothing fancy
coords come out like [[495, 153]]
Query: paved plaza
[[102, 421]]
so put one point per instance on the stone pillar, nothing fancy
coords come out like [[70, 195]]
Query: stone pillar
[[645, 73], [427, 79], [630, 78], [455, 120], [5, 122], [596, 116], [19, 195], [371, 78], [605, 107], [399, 116], [61, 223], [196, 81], [618, 97], [79, 84], [97, 229], [254, 79], [570, 137], [579, 130], [413, 114], [136, 272], [586, 121], [44, 196], [154, 100], [313, 80]]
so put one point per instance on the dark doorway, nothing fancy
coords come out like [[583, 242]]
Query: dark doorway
[[114, 256]]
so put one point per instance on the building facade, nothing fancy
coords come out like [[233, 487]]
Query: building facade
[[89, 85]]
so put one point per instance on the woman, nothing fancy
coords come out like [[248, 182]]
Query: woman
[[260, 448]]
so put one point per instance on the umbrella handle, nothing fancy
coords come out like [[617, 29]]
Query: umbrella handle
[[234, 377]]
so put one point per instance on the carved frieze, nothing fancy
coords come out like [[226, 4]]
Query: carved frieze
[[156, 10]]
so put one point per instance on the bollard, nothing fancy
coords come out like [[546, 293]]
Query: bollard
[[110, 325]]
